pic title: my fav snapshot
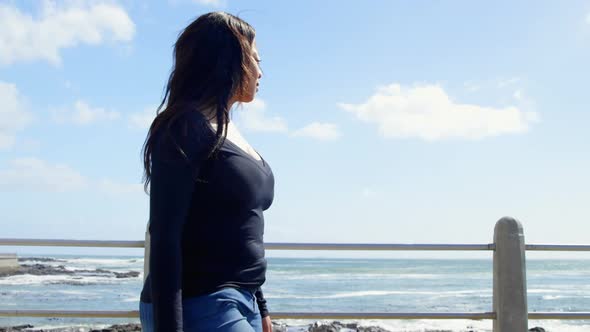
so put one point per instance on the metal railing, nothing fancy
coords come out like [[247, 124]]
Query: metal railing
[[510, 312]]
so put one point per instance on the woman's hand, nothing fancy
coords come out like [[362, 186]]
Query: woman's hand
[[266, 324]]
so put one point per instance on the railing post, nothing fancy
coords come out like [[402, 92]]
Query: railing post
[[510, 295]]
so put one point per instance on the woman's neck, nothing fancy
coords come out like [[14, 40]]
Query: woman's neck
[[211, 114]]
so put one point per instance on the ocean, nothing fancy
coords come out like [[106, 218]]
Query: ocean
[[315, 285]]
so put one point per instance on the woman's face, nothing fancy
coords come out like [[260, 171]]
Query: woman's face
[[252, 81]]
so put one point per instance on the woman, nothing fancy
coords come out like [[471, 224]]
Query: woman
[[208, 189]]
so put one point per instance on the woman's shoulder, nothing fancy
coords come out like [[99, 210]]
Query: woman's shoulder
[[190, 121], [189, 131]]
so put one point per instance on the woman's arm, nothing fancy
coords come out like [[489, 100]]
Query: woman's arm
[[266, 322], [146, 252], [172, 186], [261, 302]]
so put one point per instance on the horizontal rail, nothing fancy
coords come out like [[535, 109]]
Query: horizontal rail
[[70, 313], [559, 315], [298, 246], [375, 246], [557, 247], [275, 315], [71, 243], [383, 315], [269, 246]]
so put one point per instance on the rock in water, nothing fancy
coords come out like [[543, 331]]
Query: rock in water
[[130, 274], [337, 326], [121, 328], [43, 270], [278, 327], [15, 328]]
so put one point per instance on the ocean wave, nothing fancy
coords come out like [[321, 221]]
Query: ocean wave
[[366, 293], [291, 275], [29, 279], [105, 261], [70, 327], [77, 264], [543, 290], [132, 299], [554, 297]]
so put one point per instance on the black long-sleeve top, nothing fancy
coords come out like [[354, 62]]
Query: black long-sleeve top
[[206, 219]]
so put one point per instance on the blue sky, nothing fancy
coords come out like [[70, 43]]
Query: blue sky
[[383, 121]]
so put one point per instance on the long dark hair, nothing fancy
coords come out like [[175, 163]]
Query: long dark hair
[[211, 58]]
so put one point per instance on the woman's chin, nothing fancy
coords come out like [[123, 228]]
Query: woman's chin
[[248, 99]]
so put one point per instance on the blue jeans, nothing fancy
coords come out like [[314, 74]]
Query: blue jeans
[[228, 309]]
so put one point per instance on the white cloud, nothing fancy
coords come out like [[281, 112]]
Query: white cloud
[[143, 119], [320, 131], [253, 117], [38, 175], [82, 114], [26, 38], [501, 83], [588, 18], [427, 112], [13, 114]]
